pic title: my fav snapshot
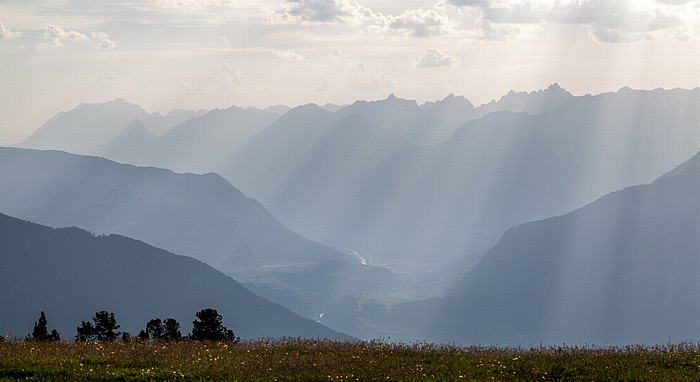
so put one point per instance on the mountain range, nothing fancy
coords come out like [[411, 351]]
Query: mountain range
[[431, 204], [404, 197], [200, 216]]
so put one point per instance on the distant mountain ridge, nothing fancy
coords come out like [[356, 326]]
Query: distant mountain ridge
[[195, 145], [71, 274], [196, 141], [202, 216], [533, 103], [89, 128]]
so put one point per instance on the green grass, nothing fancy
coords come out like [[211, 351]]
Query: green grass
[[294, 360]]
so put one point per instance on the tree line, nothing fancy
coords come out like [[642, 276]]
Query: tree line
[[104, 327]]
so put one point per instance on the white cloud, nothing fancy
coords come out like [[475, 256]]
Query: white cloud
[[7, 33], [412, 22], [106, 43], [675, 2], [607, 20], [287, 54], [469, 3], [616, 21], [322, 11], [421, 23], [98, 35], [193, 4], [435, 58], [54, 36]]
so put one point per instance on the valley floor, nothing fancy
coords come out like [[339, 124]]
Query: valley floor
[[308, 360]]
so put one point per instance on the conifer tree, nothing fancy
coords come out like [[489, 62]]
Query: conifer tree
[[41, 331], [209, 327]]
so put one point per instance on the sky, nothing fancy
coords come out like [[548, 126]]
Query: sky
[[205, 54]]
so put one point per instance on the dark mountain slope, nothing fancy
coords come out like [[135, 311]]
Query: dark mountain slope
[[71, 274]]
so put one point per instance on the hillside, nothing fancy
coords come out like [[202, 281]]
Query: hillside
[[624, 269], [70, 274]]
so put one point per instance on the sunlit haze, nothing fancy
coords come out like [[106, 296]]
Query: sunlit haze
[[205, 54]]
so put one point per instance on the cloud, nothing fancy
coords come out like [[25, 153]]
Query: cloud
[[421, 23], [231, 72], [6, 33], [413, 22], [54, 36], [104, 41], [434, 59], [106, 44], [321, 12], [608, 20], [615, 20], [469, 3], [287, 54], [112, 77], [675, 2], [193, 4]]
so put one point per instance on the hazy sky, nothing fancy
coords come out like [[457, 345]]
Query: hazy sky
[[202, 54]]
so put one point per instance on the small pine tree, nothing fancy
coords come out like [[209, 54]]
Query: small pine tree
[[209, 327], [41, 331], [104, 329]]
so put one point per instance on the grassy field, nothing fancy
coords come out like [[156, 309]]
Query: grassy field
[[294, 360]]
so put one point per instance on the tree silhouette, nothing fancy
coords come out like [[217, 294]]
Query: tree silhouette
[[157, 329], [106, 326], [154, 329], [171, 329], [209, 327], [41, 331], [143, 335], [86, 332], [104, 329]]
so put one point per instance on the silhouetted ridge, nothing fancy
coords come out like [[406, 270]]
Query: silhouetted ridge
[[71, 273]]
